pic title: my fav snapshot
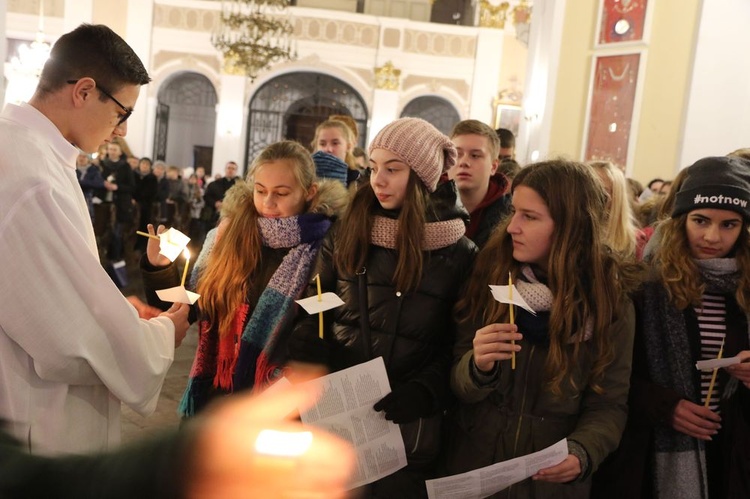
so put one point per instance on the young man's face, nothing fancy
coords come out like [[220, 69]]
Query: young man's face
[[474, 165], [100, 123]]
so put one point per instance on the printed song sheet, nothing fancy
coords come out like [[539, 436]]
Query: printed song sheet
[[345, 409], [494, 478]]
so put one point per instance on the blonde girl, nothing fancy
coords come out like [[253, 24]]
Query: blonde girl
[[336, 138], [256, 266], [620, 231]]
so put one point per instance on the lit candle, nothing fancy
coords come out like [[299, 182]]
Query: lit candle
[[512, 320], [185, 270], [283, 443]]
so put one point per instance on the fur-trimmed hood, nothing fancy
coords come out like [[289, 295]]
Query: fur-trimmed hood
[[331, 199]]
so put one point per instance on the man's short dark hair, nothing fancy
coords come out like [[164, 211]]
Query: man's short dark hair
[[507, 139], [92, 50]]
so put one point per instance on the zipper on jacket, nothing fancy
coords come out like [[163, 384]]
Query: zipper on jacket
[[523, 407], [399, 308]]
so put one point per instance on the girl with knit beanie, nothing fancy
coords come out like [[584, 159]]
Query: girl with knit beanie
[[398, 260], [250, 272], [683, 442], [572, 357]]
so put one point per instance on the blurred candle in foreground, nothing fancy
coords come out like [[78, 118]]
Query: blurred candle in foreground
[[282, 443]]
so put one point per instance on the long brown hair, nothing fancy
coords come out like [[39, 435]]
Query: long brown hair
[[223, 284], [352, 244], [584, 276], [678, 272]]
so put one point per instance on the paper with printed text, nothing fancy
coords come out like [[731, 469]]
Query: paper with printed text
[[345, 409], [489, 480]]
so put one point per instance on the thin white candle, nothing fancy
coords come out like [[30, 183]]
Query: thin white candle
[[185, 270]]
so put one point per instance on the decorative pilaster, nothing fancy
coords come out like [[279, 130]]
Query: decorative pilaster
[[231, 116], [486, 78]]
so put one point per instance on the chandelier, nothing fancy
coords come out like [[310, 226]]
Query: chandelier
[[254, 34], [23, 70]]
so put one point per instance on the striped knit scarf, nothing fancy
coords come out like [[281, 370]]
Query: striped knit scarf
[[679, 460], [242, 358]]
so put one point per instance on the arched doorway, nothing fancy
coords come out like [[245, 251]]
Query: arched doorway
[[186, 121], [290, 106], [435, 110]]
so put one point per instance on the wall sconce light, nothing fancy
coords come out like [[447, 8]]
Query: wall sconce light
[[522, 21]]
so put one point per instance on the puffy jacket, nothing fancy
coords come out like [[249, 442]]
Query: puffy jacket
[[412, 331]]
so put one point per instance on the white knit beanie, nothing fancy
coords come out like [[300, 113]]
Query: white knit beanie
[[420, 145]]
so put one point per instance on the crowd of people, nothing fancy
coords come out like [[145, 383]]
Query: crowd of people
[[125, 193], [629, 287]]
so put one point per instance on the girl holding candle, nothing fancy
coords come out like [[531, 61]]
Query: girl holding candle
[[688, 434], [398, 262], [572, 358], [251, 271]]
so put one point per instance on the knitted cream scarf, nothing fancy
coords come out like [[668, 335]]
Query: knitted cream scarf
[[436, 234], [539, 297]]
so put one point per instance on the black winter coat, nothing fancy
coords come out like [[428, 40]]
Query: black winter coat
[[412, 331], [125, 180]]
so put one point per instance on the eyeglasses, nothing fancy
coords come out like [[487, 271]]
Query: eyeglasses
[[127, 111]]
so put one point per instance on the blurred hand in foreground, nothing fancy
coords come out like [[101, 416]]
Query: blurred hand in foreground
[[227, 464]]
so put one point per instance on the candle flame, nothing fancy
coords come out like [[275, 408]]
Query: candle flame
[[283, 444]]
